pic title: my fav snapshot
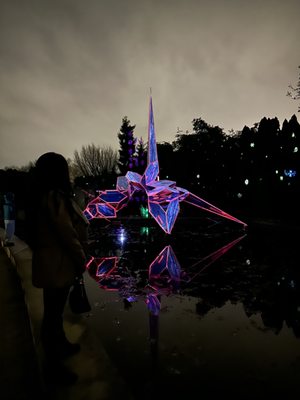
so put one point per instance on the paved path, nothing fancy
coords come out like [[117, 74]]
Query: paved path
[[21, 355], [19, 371]]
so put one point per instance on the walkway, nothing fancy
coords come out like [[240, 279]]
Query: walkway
[[19, 371], [21, 356]]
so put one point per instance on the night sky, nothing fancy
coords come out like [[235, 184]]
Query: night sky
[[71, 69]]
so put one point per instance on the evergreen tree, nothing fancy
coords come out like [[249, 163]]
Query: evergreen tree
[[290, 146], [167, 162], [127, 146], [140, 157], [199, 157]]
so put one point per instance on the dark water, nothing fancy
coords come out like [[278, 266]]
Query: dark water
[[223, 318]]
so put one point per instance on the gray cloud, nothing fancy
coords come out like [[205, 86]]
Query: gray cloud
[[70, 70]]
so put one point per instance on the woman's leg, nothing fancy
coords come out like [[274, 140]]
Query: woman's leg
[[53, 338], [53, 334]]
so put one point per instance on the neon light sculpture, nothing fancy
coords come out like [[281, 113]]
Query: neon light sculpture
[[163, 196]]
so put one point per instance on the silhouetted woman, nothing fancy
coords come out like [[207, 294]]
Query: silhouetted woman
[[58, 233]]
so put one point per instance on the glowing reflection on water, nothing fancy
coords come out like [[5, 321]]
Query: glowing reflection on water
[[171, 323], [165, 274]]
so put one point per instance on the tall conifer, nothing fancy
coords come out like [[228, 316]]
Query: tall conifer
[[127, 146]]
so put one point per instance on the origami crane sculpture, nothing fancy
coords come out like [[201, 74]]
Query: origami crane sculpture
[[163, 195]]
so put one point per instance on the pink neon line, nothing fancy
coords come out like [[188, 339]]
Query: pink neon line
[[89, 262], [218, 212], [215, 255]]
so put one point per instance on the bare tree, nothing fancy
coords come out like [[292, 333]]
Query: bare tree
[[94, 160], [294, 92]]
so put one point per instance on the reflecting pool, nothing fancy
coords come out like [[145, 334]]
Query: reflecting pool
[[209, 310]]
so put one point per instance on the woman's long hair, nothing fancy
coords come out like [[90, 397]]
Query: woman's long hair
[[50, 174]]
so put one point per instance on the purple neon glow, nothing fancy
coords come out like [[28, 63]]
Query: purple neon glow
[[165, 275], [152, 153], [153, 303], [163, 196], [166, 261]]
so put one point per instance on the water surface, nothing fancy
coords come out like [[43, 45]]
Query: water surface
[[216, 322]]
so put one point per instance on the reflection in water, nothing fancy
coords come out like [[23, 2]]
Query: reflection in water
[[122, 237], [165, 277], [282, 305], [164, 274], [226, 323], [276, 299]]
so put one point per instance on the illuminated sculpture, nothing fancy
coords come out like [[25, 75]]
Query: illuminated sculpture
[[163, 195]]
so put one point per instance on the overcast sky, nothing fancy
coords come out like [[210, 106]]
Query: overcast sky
[[71, 69]]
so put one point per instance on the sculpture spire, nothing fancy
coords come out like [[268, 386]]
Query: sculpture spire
[[152, 170]]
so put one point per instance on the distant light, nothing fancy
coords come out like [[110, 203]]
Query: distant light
[[239, 195], [292, 283], [266, 156], [248, 262], [198, 176], [144, 212], [246, 182], [291, 173], [252, 144], [293, 135], [145, 230], [295, 149], [276, 171], [167, 177], [281, 177], [122, 236]]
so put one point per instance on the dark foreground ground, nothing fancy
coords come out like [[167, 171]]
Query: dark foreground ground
[[19, 371]]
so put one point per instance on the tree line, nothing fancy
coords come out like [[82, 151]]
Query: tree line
[[255, 171]]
